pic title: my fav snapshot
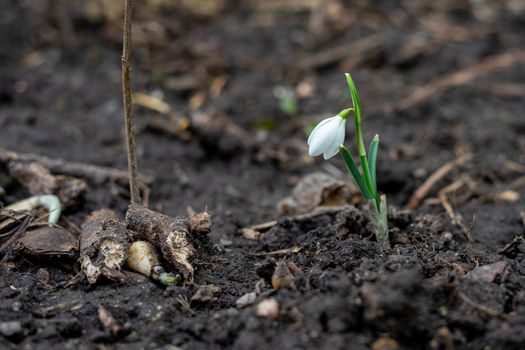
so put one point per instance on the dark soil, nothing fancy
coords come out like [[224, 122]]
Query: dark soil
[[435, 289]]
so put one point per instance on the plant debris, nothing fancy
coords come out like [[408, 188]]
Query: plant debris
[[284, 274], [49, 242], [38, 180], [315, 190], [170, 235], [144, 259], [103, 246], [267, 308], [438, 80]]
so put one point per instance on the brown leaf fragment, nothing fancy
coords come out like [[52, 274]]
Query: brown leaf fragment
[[206, 293], [487, 273], [108, 321], [200, 223], [314, 190], [246, 299], [49, 241], [282, 276]]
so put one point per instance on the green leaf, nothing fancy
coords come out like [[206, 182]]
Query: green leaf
[[355, 96], [366, 176], [268, 124], [358, 178], [289, 105], [357, 116], [372, 160]]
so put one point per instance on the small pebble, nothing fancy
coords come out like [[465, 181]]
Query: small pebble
[[10, 329], [268, 308], [246, 299], [385, 343], [420, 173], [250, 234], [447, 236], [16, 306], [226, 242]]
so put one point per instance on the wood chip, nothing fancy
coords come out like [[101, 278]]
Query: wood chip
[[108, 321]]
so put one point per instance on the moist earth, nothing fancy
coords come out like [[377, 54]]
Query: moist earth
[[452, 280]]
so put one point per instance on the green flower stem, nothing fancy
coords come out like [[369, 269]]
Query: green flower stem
[[356, 174], [381, 223], [366, 179], [345, 113], [360, 143], [357, 116]]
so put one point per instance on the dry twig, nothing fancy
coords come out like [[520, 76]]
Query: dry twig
[[316, 212], [97, 174], [427, 186], [285, 251], [459, 78], [19, 231], [480, 307], [519, 182], [360, 51], [456, 219], [108, 321], [503, 89]]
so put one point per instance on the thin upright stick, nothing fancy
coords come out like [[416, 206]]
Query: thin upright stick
[[128, 112]]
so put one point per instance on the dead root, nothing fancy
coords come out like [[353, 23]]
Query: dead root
[[37, 179], [11, 228], [103, 246], [170, 235], [94, 173]]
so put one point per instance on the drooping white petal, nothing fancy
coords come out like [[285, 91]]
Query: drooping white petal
[[324, 136], [337, 140], [317, 127]]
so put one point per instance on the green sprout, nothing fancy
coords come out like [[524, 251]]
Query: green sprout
[[327, 139], [48, 201], [289, 105], [287, 101]]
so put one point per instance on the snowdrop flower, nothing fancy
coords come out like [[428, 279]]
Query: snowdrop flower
[[328, 135]]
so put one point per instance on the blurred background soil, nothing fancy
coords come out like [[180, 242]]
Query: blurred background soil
[[225, 95]]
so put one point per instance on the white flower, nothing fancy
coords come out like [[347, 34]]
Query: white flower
[[327, 136]]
